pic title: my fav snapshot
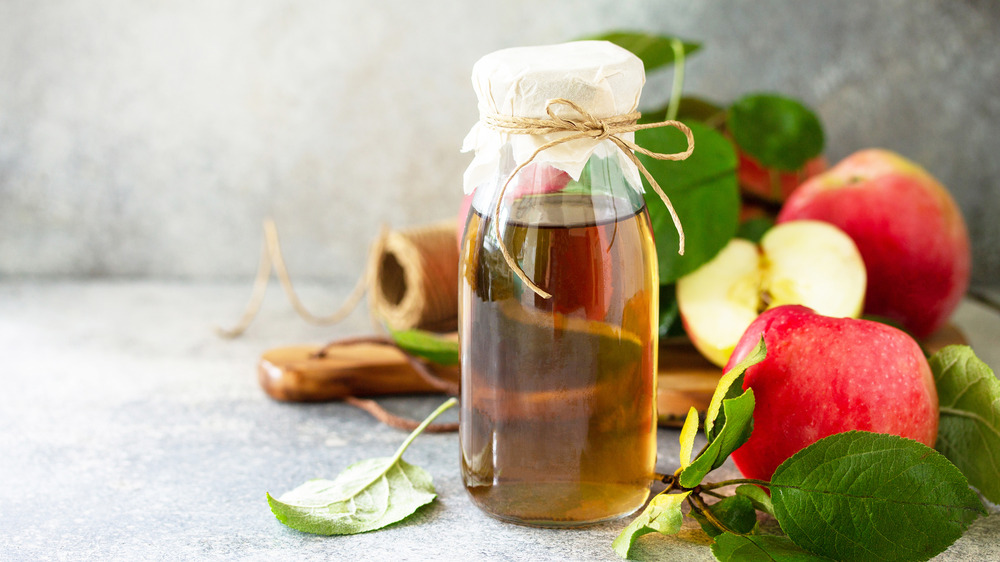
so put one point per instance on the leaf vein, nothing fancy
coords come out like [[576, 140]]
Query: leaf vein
[[871, 498], [959, 394], [971, 415]]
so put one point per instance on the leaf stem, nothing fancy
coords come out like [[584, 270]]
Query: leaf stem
[[716, 120], [703, 509], [678, 86], [714, 485], [714, 494], [671, 481], [420, 428]]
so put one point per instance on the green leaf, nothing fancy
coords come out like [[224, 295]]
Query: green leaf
[[735, 512], [688, 432], [585, 185], [757, 496], [691, 108], [870, 496], [601, 175], [763, 548], [703, 191], [368, 495], [969, 430], [734, 432], [778, 132], [427, 345], [754, 229], [654, 50], [662, 515], [731, 386], [354, 503]]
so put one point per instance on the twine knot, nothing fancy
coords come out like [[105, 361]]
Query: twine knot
[[583, 126], [605, 130]]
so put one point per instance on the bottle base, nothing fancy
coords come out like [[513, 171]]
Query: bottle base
[[559, 504]]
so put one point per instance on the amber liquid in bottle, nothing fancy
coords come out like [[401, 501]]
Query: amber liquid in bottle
[[558, 424]]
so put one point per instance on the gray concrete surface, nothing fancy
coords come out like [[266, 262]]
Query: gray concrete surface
[[129, 431], [149, 139]]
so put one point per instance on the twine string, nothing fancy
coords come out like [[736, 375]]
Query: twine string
[[418, 293], [271, 257], [586, 126], [425, 371]]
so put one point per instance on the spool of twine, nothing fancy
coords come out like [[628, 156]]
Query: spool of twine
[[415, 278], [411, 278]]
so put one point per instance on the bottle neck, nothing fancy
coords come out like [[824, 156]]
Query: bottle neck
[[602, 182]]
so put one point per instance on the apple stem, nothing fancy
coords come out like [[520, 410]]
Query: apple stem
[[765, 301], [678, 86]]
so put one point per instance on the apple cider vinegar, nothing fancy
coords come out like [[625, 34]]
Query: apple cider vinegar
[[559, 287], [558, 423]]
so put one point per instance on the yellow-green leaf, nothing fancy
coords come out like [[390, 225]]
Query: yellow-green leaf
[[733, 432], [728, 388], [662, 515], [688, 431]]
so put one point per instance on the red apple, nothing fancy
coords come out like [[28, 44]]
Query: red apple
[[827, 375], [536, 179], [908, 228], [774, 185]]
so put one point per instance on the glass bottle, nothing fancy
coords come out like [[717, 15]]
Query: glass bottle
[[558, 419]]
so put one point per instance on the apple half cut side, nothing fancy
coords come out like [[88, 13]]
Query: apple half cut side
[[806, 262]]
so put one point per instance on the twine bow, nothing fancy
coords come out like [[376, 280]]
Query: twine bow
[[586, 126]]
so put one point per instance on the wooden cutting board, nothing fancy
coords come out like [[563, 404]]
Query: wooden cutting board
[[295, 374]]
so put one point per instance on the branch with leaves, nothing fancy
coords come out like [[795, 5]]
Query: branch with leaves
[[849, 496]]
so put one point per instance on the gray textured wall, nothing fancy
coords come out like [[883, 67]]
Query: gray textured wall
[[150, 138]]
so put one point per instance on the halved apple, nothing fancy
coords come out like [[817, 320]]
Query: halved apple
[[800, 262]]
